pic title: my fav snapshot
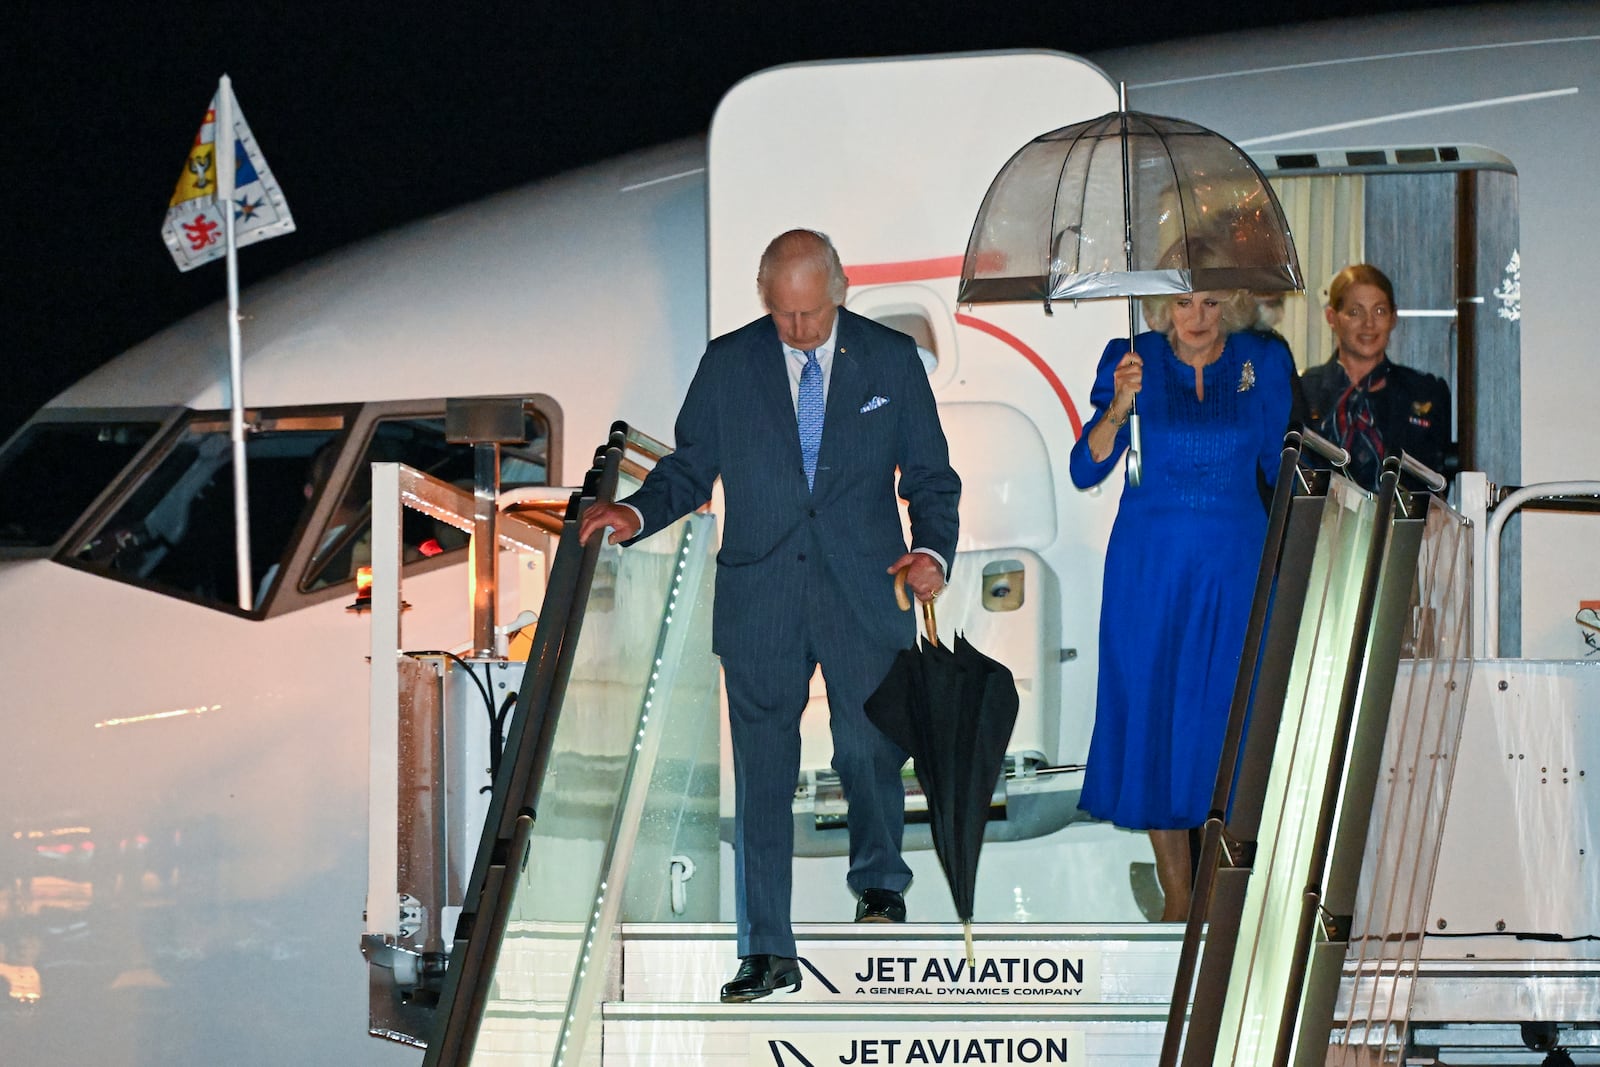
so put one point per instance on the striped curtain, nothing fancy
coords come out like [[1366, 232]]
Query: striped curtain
[[1325, 213]]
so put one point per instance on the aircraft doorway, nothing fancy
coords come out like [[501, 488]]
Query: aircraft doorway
[[1444, 229], [1442, 223]]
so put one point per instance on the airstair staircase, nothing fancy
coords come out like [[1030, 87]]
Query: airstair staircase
[[581, 943], [906, 994]]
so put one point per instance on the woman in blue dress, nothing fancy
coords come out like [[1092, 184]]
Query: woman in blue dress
[[1180, 569]]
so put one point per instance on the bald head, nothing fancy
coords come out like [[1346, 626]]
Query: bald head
[[802, 284]]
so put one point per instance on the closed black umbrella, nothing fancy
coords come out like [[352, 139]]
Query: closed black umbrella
[[952, 709]]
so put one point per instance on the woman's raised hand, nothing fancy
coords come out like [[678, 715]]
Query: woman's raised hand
[[1129, 379]]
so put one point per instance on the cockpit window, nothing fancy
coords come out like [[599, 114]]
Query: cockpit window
[[54, 470], [176, 530], [173, 529], [346, 541]]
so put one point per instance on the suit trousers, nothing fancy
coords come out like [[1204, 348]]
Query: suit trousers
[[765, 700]]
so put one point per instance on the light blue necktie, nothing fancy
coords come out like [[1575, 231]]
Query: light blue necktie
[[808, 412]]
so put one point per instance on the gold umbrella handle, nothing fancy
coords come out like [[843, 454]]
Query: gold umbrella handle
[[930, 626]]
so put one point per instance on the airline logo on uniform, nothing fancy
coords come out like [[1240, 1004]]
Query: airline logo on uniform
[[193, 231]]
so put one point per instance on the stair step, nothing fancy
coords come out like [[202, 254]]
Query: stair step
[[870, 995], [783, 1031], [1035, 967], [790, 1009], [799, 1035]]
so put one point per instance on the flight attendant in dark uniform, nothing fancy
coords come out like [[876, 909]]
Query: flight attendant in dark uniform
[[1360, 399]]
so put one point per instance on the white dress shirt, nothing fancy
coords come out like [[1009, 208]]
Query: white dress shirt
[[795, 362]]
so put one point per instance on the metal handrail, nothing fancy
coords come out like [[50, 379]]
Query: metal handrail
[[453, 506], [1429, 477], [639, 441], [1324, 447], [1340, 459], [514, 803], [1491, 549], [542, 507]]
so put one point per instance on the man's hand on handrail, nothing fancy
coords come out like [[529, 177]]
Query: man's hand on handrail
[[623, 520]]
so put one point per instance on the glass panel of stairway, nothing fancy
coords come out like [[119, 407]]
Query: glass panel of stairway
[[631, 777]]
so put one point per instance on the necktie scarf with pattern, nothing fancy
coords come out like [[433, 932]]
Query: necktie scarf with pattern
[[808, 412], [1353, 425]]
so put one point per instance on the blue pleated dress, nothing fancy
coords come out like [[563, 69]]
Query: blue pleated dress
[[1180, 572]]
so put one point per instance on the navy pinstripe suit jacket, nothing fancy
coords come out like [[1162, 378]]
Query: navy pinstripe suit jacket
[[738, 423]]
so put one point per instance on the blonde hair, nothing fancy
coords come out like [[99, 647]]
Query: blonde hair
[[1238, 312]]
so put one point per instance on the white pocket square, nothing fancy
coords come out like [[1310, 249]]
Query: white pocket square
[[874, 404]]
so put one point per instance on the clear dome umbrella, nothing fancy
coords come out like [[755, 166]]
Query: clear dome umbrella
[[1127, 205]]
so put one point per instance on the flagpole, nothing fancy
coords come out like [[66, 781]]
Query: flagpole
[[222, 138]]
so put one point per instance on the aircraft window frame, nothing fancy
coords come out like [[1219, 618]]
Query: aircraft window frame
[[342, 541], [166, 418], [188, 425], [290, 595], [350, 423]]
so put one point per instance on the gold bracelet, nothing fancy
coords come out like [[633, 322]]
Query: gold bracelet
[[1113, 420]]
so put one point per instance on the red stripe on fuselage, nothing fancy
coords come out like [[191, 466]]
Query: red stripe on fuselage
[[909, 270], [1038, 363], [921, 270]]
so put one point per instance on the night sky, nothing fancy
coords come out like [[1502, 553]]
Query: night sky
[[373, 115]]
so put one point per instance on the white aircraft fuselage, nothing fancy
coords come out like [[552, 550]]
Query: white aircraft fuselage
[[183, 828]]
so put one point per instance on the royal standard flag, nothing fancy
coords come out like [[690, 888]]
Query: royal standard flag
[[194, 227]]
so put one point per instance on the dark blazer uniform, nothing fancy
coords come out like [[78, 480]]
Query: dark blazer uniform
[[1411, 412], [802, 580]]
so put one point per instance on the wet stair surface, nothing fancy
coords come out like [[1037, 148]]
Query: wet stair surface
[[895, 995]]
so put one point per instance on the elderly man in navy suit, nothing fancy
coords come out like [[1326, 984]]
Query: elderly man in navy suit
[[806, 414]]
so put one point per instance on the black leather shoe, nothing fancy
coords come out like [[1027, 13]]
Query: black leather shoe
[[880, 906], [761, 975]]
